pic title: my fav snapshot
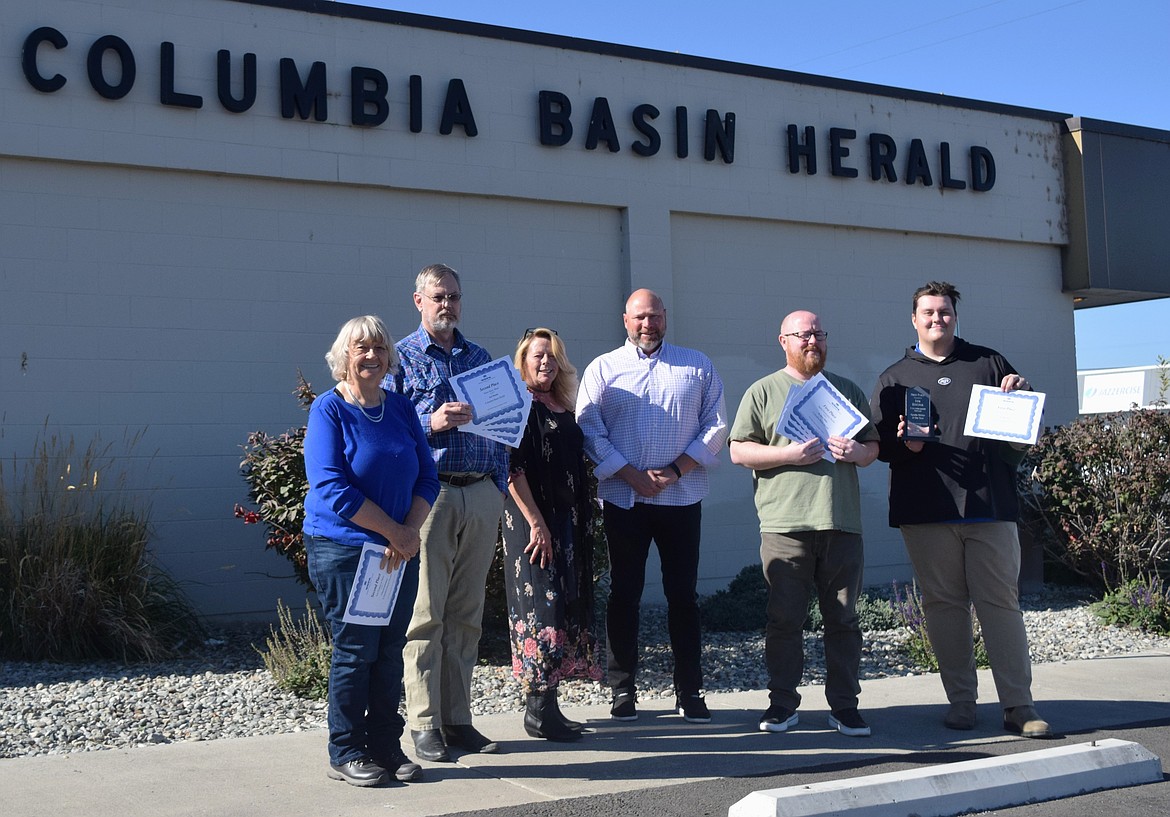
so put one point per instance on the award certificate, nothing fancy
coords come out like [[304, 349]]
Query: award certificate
[[492, 390], [818, 409], [374, 591], [1012, 416], [499, 401]]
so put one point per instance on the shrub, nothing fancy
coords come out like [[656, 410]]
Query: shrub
[[298, 653], [76, 578], [1143, 604], [908, 605], [274, 469], [1096, 493], [742, 607]]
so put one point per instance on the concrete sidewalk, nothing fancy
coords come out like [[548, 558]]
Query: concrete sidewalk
[[284, 775]]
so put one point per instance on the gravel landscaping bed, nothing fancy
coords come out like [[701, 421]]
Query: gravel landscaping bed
[[222, 689]]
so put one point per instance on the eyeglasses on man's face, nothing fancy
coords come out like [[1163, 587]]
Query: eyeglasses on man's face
[[806, 336], [449, 298]]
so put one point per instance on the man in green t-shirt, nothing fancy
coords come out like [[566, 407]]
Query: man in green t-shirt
[[810, 529]]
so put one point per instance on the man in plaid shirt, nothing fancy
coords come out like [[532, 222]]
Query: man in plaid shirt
[[654, 422], [459, 536]]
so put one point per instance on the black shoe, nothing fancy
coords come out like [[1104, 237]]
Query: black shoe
[[541, 722], [361, 772], [399, 765], [693, 708], [623, 708], [849, 722], [778, 718], [576, 726], [465, 736], [428, 745]]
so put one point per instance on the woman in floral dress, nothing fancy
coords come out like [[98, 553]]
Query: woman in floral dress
[[548, 558]]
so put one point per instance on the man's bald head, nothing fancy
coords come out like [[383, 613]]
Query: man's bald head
[[645, 320]]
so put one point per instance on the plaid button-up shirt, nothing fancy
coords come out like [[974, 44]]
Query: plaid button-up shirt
[[424, 378]]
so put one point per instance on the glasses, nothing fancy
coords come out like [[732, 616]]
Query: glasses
[[532, 330], [805, 337], [449, 298]]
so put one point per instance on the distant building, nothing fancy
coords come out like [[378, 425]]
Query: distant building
[[1100, 391]]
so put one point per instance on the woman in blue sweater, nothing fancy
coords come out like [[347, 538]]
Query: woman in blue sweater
[[371, 479]]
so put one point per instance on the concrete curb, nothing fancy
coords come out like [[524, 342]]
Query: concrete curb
[[967, 786]]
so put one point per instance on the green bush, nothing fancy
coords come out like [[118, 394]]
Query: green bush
[[274, 469], [298, 653], [1139, 603], [742, 607], [76, 579], [1096, 492]]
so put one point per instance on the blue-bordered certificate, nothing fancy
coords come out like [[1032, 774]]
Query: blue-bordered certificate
[[374, 591], [817, 409], [499, 401], [1011, 416]]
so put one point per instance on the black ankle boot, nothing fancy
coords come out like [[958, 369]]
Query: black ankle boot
[[576, 726], [540, 722]]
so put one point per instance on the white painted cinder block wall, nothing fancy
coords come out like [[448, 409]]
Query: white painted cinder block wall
[[170, 269]]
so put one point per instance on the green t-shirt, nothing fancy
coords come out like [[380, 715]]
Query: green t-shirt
[[821, 496]]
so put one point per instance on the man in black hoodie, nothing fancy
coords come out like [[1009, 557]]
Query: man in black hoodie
[[954, 499]]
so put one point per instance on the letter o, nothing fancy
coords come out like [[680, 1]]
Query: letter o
[[93, 65]]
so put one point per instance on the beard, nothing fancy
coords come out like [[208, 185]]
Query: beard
[[808, 361], [445, 324]]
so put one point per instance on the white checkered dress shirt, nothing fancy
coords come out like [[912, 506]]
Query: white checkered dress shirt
[[647, 410]]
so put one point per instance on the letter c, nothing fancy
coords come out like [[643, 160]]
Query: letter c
[[28, 60]]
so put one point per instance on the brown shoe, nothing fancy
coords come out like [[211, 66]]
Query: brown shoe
[[1024, 721], [961, 716]]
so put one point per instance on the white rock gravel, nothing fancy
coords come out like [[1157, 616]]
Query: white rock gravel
[[50, 708]]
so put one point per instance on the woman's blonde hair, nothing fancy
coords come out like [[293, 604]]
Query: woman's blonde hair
[[564, 388], [362, 329]]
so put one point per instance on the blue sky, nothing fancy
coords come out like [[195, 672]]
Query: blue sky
[[1103, 59]]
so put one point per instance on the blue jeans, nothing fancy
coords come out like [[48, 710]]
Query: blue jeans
[[365, 675]]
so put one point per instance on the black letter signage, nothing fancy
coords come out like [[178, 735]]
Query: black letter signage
[[297, 99], [28, 59], [97, 76], [457, 110], [558, 119]]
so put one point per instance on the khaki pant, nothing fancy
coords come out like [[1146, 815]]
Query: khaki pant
[[973, 563], [442, 642]]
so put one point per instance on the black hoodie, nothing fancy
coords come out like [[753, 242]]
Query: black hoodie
[[956, 478]]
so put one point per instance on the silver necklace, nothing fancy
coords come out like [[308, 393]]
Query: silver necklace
[[362, 409]]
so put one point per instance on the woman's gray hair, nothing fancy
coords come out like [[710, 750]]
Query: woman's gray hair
[[362, 329]]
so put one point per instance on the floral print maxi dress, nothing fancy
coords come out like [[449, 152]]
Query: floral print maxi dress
[[550, 609]]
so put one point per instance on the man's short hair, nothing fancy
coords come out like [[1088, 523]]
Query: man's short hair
[[943, 289], [432, 274]]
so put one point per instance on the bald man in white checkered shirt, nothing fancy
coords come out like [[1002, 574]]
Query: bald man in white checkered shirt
[[654, 421]]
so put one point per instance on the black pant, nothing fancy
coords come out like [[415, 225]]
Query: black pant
[[675, 530]]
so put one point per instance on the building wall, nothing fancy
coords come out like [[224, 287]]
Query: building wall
[[170, 269]]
